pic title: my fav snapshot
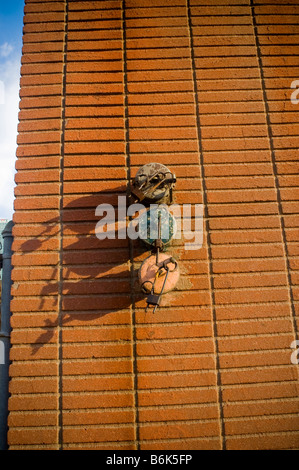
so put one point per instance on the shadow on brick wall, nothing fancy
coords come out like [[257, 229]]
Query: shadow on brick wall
[[93, 277]]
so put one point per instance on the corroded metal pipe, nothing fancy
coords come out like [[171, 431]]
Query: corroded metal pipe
[[5, 332]]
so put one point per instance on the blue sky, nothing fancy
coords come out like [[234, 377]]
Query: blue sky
[[11, 25], [11, 22]]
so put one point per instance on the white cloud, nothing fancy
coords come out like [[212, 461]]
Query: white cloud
[[9, 77], [6, 49]]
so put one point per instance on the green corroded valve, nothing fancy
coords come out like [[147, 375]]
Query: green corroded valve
[[157, 227]]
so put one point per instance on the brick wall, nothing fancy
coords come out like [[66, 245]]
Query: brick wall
[[205, 88]]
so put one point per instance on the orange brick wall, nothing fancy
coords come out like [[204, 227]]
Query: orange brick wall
[[204, 87]]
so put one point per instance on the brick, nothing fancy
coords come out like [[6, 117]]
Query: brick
[[274, 424], [178, 362], [252, 251], [43, 17], [47, 113], [273, 374], [254, 265], [37, 150], [180, 431], [250, 222], [156, 64], [87, 111], [37, 125], [54, 136], [228, 73], [266, 442], [274, 19], [235, 106], [234, 131], [243, 209], [94, 15], [36, 244], [173, 413], [36, 189], [247, 296], [95, 147], [170, 380], [192, 444], [39, 8], [242, 196], [97, 384], [254, 344], [94, 89], [173, 332], [94, 35], [34, 259], [92, 135], [31, 69], [181, 397], [164, 146], [88, 100], [37, 163], [94, 55], [90, 25], [99, 434], [32, 419], [172, 347], [36, 39], [86, 45], [38, 57], [92, 400], [266, 358], [252, 311], [219, 182], [46, 79], [104, 366], [35, 216], [96, 303], [38, 320], [252, 327], [123, 334], [32, 436], [97, 350], [261, 280], [40, 90], [34, 385], [23, 403], [23, 353], [161, 53], [252, 236], [87, 418], [91, 5]]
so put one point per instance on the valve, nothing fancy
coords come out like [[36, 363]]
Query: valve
[[157, 227], [153, 182]]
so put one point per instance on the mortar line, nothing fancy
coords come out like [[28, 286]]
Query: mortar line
[[274, 171], [61, 193], [131, 249], [208, 234]]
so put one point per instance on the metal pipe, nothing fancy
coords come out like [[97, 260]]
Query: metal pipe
[[5, 332]]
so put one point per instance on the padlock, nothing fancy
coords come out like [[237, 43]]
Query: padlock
[[153, 182]]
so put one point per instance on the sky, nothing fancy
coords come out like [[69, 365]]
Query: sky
[[11, 26]]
